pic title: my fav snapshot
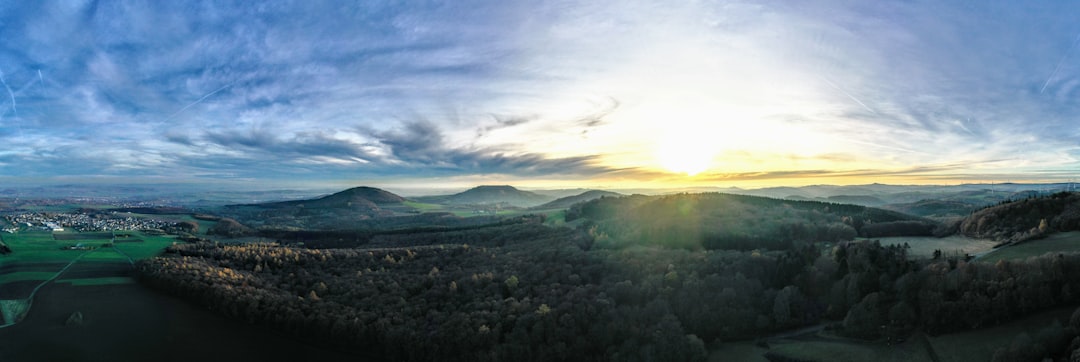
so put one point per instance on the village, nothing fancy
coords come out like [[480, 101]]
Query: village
[[78, 221]]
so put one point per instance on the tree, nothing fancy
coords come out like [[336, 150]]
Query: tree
[[782, 306], [864, 319]]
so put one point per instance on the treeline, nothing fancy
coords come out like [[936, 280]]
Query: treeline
[[257, 221], [739, 222], [474, 232], [1026, 219]]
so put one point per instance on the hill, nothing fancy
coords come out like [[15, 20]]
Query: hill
[[1025, 219], [490, 195], [727, 221], [934, 208], [864, 200], [357, 197], [566, 202], [335, 211]]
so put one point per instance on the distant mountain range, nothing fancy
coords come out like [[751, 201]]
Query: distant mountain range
[[921, 200]]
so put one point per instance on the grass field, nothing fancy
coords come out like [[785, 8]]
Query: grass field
[[72, 235], [556, 218], [737, 351], [40, 246], [845, 350], [204, 225], [37, 256], [150, 246], [128, 322], [1060, 242], [25, 275], [979, 345], [104, 254], [975, 345], [423, 207], [97, 281], [923, 247]]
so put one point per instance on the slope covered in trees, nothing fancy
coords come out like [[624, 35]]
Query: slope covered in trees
[[525, 291], [327, 212], [1025, 219], [725, 221], [490, 195], [355, 197], [565, 202], [541, 296]]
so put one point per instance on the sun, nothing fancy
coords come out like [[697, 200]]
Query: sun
[[687, 153]]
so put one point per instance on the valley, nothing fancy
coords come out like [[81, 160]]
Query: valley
[[364, 272]]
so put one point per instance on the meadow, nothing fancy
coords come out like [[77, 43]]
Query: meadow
[[923, 247], [1068, 242], [975, 345], [39, 256], [117, 317]]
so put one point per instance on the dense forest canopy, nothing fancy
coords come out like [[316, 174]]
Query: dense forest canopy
[[725, 221], [1025, 219]]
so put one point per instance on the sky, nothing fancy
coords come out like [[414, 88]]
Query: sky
[[539, 93]]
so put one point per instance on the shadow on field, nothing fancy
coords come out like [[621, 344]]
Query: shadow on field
[[127, 322]]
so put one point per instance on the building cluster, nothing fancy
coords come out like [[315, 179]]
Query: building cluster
[[79, 222]]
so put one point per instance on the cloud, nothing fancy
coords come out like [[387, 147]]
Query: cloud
[[512, 88], [421, 145], [504, 122]]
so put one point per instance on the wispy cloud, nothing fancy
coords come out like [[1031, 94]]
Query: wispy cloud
[[520, 88]]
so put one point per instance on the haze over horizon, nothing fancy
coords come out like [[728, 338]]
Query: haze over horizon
[[539, 94]]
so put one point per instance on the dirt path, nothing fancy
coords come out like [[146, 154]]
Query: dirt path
[[30, 299]]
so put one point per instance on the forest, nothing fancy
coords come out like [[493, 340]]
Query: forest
[[533, 292], [725, 221]]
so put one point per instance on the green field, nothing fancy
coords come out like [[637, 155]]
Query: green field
[[97, 281], [40, 246], [976, 345], [924, 246], [1060, 242], [824, 348], [737, 351], [204, 225], [847, 350], [37, 256], [423, 207], [150, 246], [979, 345], [25, 275], [104, 254]]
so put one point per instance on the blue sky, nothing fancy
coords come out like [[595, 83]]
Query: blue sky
[[542, 93]]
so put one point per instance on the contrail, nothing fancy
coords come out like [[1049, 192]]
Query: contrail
[[40, 78], [198, 101], [24, 87], [14, 110], [848, 94], [1060, 64]]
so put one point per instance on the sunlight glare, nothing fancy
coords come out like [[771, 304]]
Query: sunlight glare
[[686, 152]]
